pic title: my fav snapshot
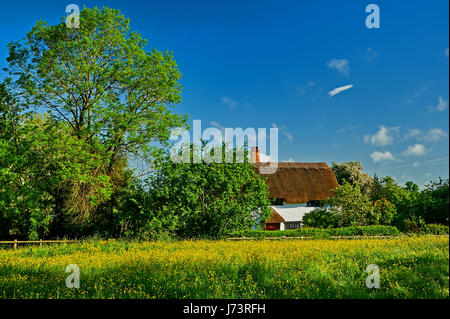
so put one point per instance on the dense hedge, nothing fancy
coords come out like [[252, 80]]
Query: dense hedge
[[434, 229], [376, 230]]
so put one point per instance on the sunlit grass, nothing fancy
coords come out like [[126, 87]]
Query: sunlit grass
[[416, 267]]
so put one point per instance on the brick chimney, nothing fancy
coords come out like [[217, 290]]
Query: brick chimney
[[255, 154]]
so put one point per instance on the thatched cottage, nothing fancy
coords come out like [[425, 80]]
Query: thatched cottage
[[295, 190]]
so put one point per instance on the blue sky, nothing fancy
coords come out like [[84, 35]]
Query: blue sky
[[265, 63]]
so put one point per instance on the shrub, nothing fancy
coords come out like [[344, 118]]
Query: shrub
[[321, 218], [353, 207], [303, 232], [374, 230], [434, 229], [377, 230], [384, 212]]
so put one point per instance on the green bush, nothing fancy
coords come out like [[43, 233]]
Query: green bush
[[434, 229], [321, 218], [384, 212], [376, 230]]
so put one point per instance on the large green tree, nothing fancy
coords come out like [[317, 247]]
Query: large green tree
[[114, 95]]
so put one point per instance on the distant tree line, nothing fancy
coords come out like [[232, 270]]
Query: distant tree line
[[362, 199]]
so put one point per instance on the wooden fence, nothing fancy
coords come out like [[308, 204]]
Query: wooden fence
[[16, 242]]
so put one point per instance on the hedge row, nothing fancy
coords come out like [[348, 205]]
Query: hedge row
[[434, 229], [376, 230]]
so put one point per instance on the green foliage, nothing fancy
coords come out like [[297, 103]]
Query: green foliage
[[384, 212], [351, 207], [321, 218], [351, 173], [208, 200], [373, 230], [434, 202], [137, 215], [434, 229], [113, 96], [414, 207], [376, 230], [39, 175]]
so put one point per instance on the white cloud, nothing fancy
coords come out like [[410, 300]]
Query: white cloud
[[382, 137], [446, 52], [229, 102], [412, 132], [340, 89], [382, 156], [339, 64], [415, 150], [416, 164], [434, 135], [442, 106]]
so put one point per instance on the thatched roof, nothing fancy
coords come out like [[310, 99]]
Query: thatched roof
[[301, 182]]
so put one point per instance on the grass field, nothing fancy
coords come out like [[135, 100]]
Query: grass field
[[410, 267]]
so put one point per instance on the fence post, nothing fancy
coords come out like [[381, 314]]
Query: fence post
[[40, 242], [15, 243]]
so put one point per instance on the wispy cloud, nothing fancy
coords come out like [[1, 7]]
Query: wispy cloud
[[382, 156], [227, 101], [416, 164], [371, 55], [412, 132], [384, 136], [215, 124], [440, 107], [446, 52], [349, 128], [434, 135], [409, 98], [340, 89], [303, 89], [341, 65], [415, 150], [283, 130]]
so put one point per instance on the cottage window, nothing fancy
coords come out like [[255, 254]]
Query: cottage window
[[277, 201], [292, 225], [313, 203]]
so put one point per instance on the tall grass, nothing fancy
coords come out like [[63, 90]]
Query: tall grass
[[411, 267]]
